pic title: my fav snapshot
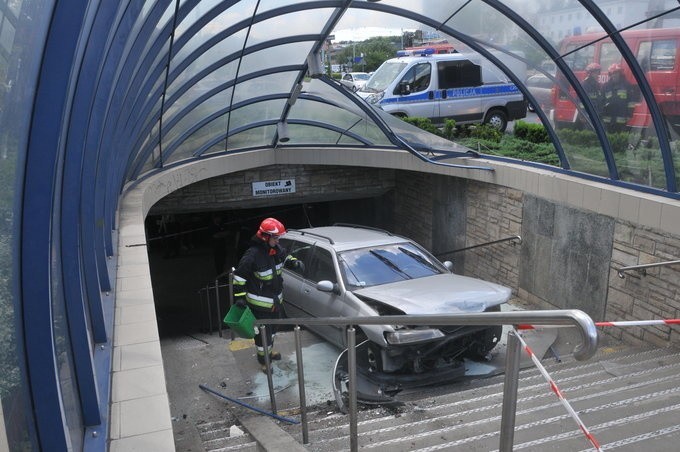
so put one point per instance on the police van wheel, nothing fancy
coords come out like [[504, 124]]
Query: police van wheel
[[497, 119]]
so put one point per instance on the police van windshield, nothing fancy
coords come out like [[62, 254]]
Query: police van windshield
[[382, 77]]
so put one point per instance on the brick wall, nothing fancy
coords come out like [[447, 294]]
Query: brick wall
[[413, 206], [493, 212], [652, 295], [313, 183]]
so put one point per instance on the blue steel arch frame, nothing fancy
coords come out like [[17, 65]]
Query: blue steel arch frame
[[657, 117], [92, 96]]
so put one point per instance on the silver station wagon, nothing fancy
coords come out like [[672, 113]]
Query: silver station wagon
[[353, 271]]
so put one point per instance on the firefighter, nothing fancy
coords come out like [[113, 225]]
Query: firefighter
[[591, 85], [258, 283], [618, 100]]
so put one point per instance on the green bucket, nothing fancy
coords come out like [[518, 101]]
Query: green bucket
[[241, 321]]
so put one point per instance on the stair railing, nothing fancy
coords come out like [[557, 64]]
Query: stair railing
[[515, 239], [568, 317], [642, 268]]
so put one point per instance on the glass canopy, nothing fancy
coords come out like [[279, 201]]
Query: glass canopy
[[212, 77]]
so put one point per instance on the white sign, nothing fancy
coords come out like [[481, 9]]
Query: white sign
[[274, 187]]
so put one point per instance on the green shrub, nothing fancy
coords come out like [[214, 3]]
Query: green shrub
[[486, 132], [423, 123], [534, 133]]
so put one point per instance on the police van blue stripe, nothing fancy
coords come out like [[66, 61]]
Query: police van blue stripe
[[456, 93]]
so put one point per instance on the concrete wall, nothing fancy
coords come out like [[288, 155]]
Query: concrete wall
[[575, 233], [313, 183]]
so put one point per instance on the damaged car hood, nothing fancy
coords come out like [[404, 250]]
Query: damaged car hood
[[438, 294]]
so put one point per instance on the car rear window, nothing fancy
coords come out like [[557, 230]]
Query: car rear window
[[386, 264]]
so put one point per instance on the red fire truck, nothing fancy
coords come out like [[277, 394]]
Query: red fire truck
[[656, 51]]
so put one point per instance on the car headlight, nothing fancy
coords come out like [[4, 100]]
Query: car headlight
[[411, 336], [375, 98]]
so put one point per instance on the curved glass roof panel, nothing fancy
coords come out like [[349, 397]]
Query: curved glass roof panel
[[211, 133], [299, 23], [261, 86], [224, 53], [212, 106], [248, 57], [274, 57]]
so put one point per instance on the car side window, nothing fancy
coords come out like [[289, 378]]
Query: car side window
[[300, 251], [322, 268], [417, 78], [458, 74]]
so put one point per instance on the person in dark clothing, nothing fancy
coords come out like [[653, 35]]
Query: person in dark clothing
[[258, 283], [592, 87], [619, 100]]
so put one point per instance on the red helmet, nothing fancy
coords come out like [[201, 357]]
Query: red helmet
[[593, 67], [615, 67], [270, 227]]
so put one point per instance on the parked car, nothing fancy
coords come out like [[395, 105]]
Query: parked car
[[358, 271], [540, 86], [354, 80]]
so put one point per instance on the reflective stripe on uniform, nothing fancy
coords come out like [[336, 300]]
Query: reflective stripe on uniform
[[260, 350], [259, 300]]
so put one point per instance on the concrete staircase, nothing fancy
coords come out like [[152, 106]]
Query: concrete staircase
[[629, 399]]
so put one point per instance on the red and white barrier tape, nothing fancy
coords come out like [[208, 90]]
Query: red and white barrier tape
[[620, 323], [558, 393]]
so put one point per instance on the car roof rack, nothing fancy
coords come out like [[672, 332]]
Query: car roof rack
[[330, 240], [351, 225]]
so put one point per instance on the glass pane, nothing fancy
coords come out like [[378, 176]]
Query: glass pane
[[19, 67], [239, 11], [318, 111], [557, 19], [261, 86], [260, 111], [215, 129], [438, 10], [257, 137], [204, 89], [624, 13], [298, 23], [275, 56], [212, 56], [302, 134], [268, 5]]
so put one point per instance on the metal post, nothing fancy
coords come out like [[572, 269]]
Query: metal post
[[352, 387], [267, 363], [207, 305], [231, 298], [301, 386], [508, 411], [217, 306]]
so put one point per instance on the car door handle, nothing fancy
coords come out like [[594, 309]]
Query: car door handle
[[444, 95]]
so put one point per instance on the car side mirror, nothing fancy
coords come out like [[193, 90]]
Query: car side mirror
[[327, 286], [448, 265]]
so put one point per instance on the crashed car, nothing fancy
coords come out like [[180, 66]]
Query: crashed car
[[353, 271]]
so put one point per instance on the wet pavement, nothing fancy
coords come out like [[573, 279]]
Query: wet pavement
[[230, 368]]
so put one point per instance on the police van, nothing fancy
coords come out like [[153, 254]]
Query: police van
[[463, 87]]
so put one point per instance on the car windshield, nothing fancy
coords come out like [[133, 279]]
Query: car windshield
[[373, 266], [361, 77], [385, 74]]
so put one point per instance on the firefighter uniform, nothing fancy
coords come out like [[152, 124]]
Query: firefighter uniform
[[258, 282]]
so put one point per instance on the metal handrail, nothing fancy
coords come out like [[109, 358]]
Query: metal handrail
[[642, 267], [568, 317], [506, 239]]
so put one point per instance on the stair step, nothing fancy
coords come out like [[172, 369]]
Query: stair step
[[625, 398]]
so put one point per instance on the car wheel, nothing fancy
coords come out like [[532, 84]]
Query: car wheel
[[497, 119], [354, 88], [531, 108], [483, 344]]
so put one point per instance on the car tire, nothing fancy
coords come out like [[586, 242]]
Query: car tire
[[497, 119], [354, 88], [489, 338]]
